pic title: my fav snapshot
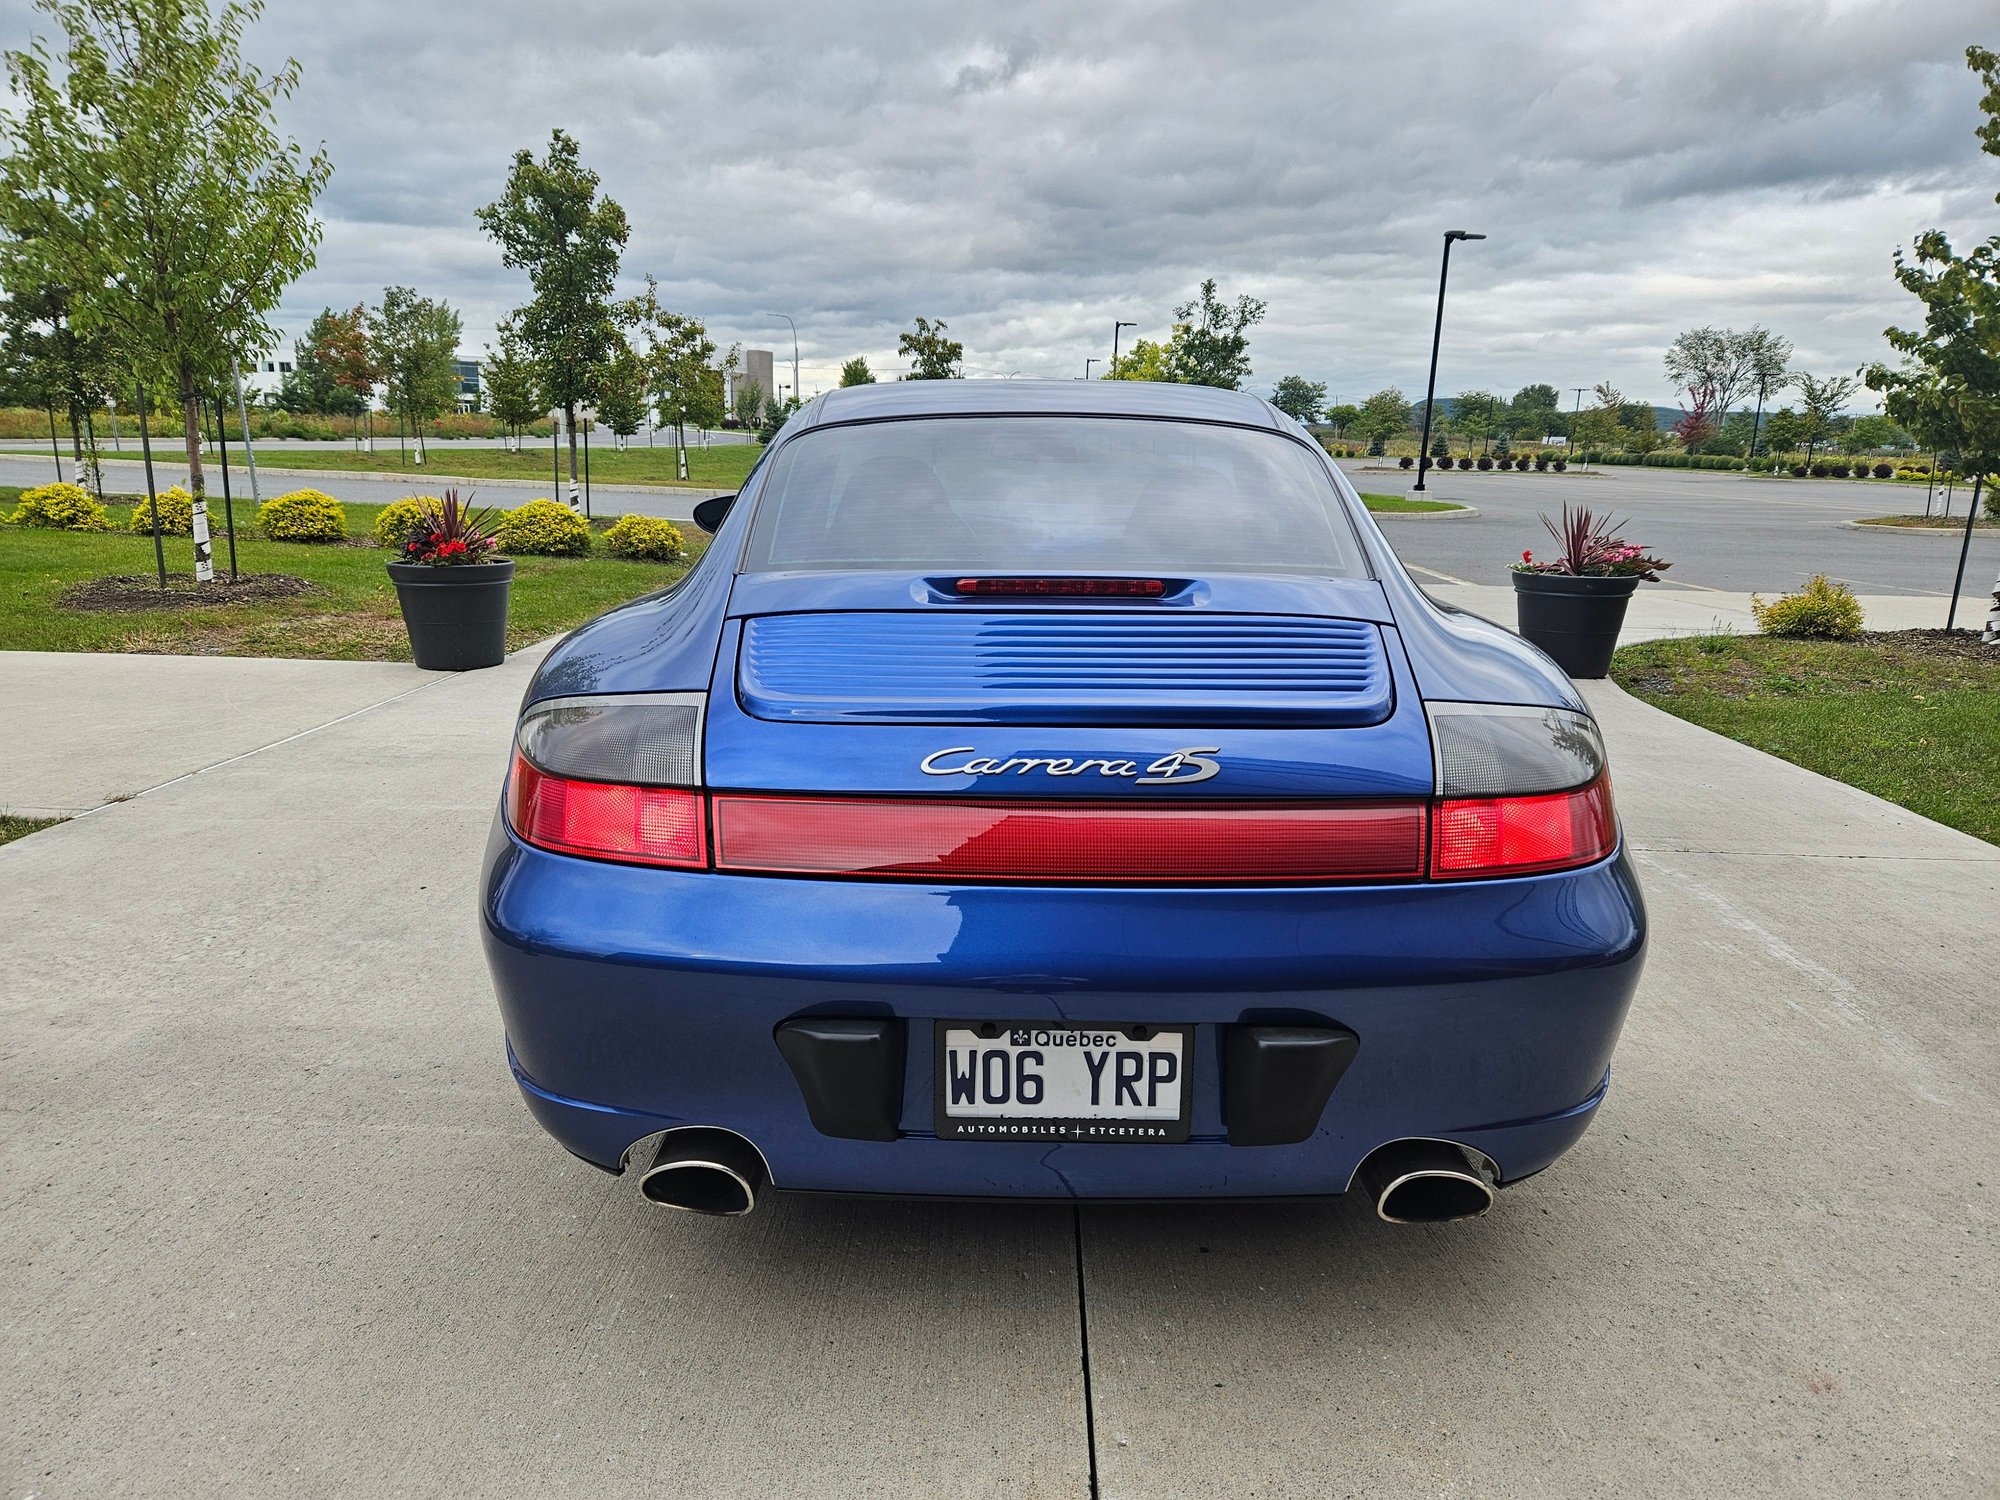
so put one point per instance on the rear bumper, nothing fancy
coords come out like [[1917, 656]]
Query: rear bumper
[[636, 1000]]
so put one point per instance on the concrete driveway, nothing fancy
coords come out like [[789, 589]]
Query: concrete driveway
[[275, 1221]]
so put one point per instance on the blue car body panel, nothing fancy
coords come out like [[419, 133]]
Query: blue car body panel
[[639, 999]]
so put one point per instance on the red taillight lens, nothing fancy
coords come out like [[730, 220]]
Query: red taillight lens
[[1056, 842], [1522, 835], [641, 825]]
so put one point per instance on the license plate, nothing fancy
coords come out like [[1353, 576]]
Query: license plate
[[1005, 1081]]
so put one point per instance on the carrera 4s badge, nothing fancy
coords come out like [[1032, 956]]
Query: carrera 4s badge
[[1176, 766]]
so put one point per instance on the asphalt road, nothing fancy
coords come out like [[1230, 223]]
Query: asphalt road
[[1720, 531], [276, 1222]]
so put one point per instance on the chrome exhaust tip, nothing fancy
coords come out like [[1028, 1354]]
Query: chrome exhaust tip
[[705, 1170], [1426, 1182]]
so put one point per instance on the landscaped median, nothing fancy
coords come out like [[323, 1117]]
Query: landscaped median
[[722, 467], [1910, 715], [1398, 505], [330, 600]]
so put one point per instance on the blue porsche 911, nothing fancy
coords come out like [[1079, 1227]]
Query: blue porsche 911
[[1057, 790]]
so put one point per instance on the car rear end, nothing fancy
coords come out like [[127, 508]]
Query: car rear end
[[1057, 811]]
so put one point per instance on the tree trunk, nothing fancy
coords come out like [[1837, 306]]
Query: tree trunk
[[191, 432], [569, 421]]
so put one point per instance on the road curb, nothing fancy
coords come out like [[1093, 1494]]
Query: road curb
[[1957, 530], [1464, 512]]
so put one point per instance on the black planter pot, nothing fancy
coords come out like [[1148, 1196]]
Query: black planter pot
[[1576, 620], [457, 617]]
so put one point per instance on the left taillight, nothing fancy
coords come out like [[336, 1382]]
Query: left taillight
[[614, 777]]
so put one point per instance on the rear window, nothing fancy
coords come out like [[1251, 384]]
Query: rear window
[[1089, 494]]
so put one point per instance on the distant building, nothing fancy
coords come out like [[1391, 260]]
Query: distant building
[[756, 365], [265, 375], [468, 383]]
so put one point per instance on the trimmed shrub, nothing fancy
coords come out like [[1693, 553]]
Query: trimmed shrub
[[176, 507], [1406, 462], [399, 521], [62, 507], [654, 539], [303, 516], [1465, 462], [1838, 471], [1884, 471], [544, 528], [1483, 462], [1822, 611], [1559, 464], [1800, 471], [1541, 463]]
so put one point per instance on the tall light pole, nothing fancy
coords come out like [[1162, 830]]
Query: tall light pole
[[1087, 364], [1757, 421], [1437, 334], [1115, 326], [1574, 413], [795, 345]]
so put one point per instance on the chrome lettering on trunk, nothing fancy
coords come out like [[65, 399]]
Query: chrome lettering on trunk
[[1176, 767]]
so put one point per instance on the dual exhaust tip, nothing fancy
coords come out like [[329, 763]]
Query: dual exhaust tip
[[708, 1170]]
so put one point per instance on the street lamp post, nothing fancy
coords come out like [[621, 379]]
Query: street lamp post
[[1437, 334], [1086, 366], [795, 345], [1115, 326], [1758, 420], [1574, 412]]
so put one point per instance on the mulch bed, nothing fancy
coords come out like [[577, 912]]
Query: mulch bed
[[1951, 645], [142, 592]]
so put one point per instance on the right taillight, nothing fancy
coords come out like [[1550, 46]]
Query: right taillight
[[1520, 791]]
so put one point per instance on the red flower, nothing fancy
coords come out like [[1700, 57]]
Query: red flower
[[1527, 557]]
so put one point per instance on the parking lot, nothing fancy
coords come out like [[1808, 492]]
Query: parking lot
[[277, 1221]]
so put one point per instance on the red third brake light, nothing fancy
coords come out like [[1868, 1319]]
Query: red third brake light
[[1065, 588], [1522, 835], [641, 825]]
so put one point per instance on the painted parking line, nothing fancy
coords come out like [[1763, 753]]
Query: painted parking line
[[1442, 577]]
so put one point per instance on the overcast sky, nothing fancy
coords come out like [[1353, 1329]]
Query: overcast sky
[[1030, 171]]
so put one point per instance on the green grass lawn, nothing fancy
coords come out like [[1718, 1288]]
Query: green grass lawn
[[12, 828], [723, 467], [1953, 523], [1913, 716], [352, 615], [1397, 505]]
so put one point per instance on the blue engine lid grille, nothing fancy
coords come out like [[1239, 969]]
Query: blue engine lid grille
[[1093, 666]]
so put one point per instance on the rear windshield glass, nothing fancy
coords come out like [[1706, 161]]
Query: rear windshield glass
[[1090, 494]]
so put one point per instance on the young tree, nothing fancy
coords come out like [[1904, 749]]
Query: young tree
[[747, 404], [1145, 360], [621, 393], [1211, 339], [319, 363], [1871, 433], [1383, 415], [512, 394], [551, 222], [677, 352], [1299, 398], [1535, 411], [1697, 421], [932, 356], [343, 346], [1475, 413], [856, 372], [47, 361], [1782, 432], [1821, 401], [1725, 364], [144, 168], [1340, 418], [416, 340]]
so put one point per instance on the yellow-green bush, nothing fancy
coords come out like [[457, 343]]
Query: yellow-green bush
[[399, 521], [303, 516], [544, 528], [1823, 611], [65, 507], [645, 539], [176, 509]]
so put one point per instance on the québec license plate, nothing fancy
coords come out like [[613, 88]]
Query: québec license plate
[[1003, 1081]]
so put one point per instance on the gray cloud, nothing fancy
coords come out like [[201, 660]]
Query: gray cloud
[[1029, 171]]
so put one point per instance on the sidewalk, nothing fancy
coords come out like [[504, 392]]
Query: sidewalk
[[277, 1219], [1658, 612]]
